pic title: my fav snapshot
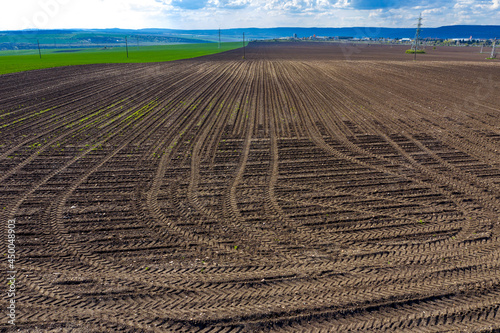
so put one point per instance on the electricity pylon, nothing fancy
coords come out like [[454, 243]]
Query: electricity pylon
[[417, 37]]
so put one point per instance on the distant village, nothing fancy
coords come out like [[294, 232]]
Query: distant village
[[402, 41]]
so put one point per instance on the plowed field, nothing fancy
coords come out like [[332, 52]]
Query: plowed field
[[306, 188]]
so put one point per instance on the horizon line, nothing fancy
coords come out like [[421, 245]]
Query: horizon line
[[287, 27]]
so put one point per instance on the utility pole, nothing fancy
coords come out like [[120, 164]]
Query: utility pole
[[244, 51], [493, 55], [417, 37], [482, 45], [39, 51], [219, 38], [126, 45]]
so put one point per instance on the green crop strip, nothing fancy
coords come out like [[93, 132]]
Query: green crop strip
[[30, 60], [28, 117], [95, 114], [143, 111]]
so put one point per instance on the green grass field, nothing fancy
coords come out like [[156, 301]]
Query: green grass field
[[18, 61]]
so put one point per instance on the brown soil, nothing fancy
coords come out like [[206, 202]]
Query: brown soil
[[291, 191]]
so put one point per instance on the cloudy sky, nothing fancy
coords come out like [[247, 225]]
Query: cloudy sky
[[212, 14]]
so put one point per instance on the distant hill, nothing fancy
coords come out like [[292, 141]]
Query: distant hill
[[71, 38], [456, 31]]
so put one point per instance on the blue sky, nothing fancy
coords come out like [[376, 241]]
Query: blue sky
[[212, 14]]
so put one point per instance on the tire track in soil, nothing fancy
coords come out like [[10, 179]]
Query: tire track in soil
[[108, 127], [321, 158], [152, 202], [84, 254], [310, 94], [359, 83], [325, 146], [415, 164], [233, 218], [57, 171]]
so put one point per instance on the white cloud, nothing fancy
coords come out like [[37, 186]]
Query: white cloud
[[54, 14], [203, 14], [232, 4]]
